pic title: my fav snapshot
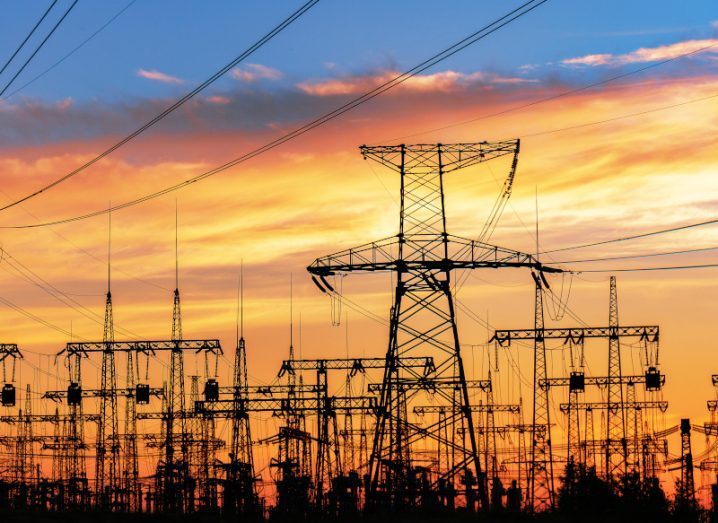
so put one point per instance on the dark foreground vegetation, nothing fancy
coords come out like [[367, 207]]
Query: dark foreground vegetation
[[583, 496]]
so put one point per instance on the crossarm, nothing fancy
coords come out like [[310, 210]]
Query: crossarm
[[354, 365], [600, 381], [577, 334], [436, 409], [287, 405], [146, 346], [602, 405], [383, 255]]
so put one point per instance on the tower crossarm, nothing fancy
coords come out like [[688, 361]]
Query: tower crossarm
[[603, 405], [421, 254], [49, 418], [284, 406], [145, 346], [187, 414], [9, 350], [576, 334], [271, 390], [57, 395], [598, 380], [502, 430], [437, 409], [419, 158], [432, 384], [355, 365]]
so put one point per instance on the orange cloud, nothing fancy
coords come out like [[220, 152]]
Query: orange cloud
[[159, 76], [445, 81], [647, 54]]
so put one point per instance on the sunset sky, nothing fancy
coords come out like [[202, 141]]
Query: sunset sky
[[626, 157]]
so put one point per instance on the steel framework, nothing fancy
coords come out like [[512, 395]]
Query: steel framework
[[423, 319]]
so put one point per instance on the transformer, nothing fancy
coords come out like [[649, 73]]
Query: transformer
[[74, 394], [211, 390], [577, 382], [8, 395], [653, 379], [142, 394]]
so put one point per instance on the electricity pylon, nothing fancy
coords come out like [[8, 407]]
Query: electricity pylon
[[423, 256], [107, 464], [616, 443]]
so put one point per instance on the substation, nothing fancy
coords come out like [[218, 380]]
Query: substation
[[412, 429]]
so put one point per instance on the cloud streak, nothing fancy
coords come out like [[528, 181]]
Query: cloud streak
[[646, 54], [253, 72], [441, 82], [159, 76]]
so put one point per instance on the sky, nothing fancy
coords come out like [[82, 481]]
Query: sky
[[622, 158]]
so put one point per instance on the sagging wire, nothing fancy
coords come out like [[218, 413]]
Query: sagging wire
[[559, 304], [500, 204], [328, 290], [498, 208], [335, 300]]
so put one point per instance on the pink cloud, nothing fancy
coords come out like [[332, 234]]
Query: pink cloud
[[159, 76], [444, 81], [254, 72], [218, 100], [64, 104], [647, 54], [589, 59]]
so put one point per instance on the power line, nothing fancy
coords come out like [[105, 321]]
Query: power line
[[247, 53], [635, 236], [32, 32], [70, 53], [621, 117], [37, 318], [92, 255], [668, 268], [487, 30], [33, 278], [37, 49], [559, 95], [633, 256]]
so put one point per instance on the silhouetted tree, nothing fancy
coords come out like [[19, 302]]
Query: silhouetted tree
[[642, 498], [685, 507], [583, 492], [585, 495]]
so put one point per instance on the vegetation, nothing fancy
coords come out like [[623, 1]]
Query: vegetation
[[586, 496]]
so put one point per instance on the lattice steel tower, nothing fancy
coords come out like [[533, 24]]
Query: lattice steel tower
[[107, 462], [240, 494], [540, 495], [616, 444], [423, 319], [175, 495]]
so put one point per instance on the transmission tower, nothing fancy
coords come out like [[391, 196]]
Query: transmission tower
[[423, 256], [25, 452], [131, 473], [176, 471], [576, 381], [541, 466], [616, 444], [240, 491], [78, 491], [686, 492], [107, 463]]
